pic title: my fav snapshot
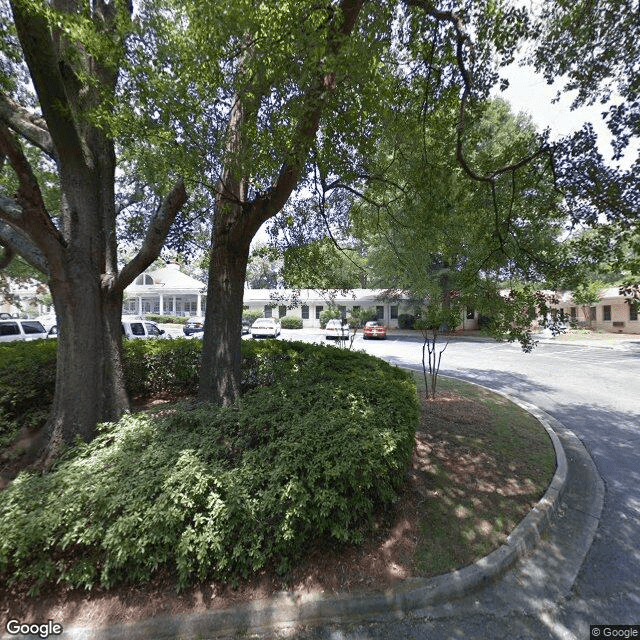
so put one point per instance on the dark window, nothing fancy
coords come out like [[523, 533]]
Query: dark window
[[471, 313], [33, 327], [379, 313], [606, 310], [633, 311], [267, 311], [9, 329], [343, 311], [574, 313], [137, 329], [318, 311], [394, 311], [305, 312], [592, 313], [282, 311], [152, 330]]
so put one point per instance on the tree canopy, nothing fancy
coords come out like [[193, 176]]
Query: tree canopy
[[252, 107]]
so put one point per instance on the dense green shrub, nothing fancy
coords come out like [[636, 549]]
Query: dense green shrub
[[27, 382], [291, 322], [328, 314], [154, 317], [252, 316], [162, 367], [220, 492], [406, 321]]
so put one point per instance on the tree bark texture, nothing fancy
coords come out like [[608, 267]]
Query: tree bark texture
[[77, 252], [237, 218]]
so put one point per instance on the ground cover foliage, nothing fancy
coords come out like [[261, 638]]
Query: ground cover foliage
[[317, 444]]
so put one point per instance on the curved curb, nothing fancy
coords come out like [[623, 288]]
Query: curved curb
[[287, 608]]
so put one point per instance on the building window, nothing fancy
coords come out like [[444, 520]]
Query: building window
[[130, 307], [143, 278], [393, 312], [606, 310], [574, 313], [319, 308], [343, 311], [471, 313], [633, 311], [379, 312], [305, 312], [267, 311], [592, 313], [282, 311]]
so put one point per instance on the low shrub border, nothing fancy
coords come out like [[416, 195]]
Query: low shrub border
[[166, 319], [318, 443], [291, 322]]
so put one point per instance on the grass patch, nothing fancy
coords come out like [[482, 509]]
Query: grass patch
[[483, 463]]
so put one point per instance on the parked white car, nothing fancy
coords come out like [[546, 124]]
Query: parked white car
[[48, 321], [336, 329], [265, 328], [20, 330], [137, 328]]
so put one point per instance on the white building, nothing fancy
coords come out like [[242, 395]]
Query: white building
[[166, 291], [24, 298], [308, 304]]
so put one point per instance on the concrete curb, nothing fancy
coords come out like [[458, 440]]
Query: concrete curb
[[287, 609]]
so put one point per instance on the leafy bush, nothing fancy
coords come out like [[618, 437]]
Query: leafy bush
[[406, 321], [154, 317], [27, 382], [252, 316], [328, 314], [162, 367], [28, 373], [291, 322], [220, 492]]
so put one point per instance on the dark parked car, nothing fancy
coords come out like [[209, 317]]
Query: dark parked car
[[194, 324]]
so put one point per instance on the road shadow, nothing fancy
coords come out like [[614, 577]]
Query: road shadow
[[507, 382]]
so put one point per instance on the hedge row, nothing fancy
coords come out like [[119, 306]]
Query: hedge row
[[28, 372], [311, 452]]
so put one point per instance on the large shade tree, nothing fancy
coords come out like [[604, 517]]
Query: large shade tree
[[593, 46], [294, 93], [71, 54]]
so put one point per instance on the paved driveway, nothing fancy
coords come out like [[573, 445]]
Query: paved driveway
[[595, 392]]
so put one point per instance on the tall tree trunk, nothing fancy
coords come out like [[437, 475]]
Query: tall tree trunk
[[89, 377], [237, 219], [221, 349]]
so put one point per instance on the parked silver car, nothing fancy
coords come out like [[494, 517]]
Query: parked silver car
[[194, 325], [337, 329], [136, 328]]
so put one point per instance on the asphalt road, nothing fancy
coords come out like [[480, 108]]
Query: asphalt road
[[595, 392]]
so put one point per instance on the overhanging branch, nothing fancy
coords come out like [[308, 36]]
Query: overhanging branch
[[154, 238], [17, 242], [27, 125]]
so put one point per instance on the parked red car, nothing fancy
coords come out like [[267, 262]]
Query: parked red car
[[374, 329]]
